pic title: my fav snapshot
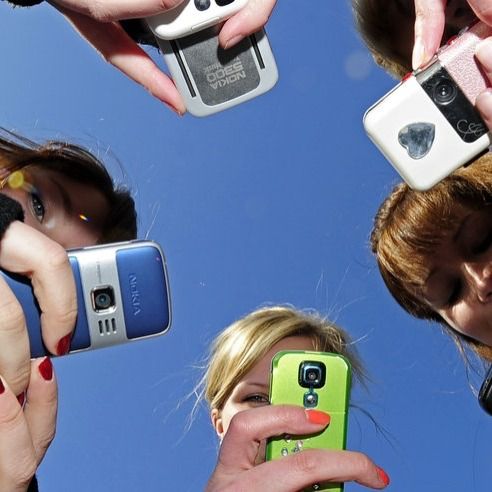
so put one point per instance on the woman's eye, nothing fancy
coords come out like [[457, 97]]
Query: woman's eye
[[37, 206], [257, 399]]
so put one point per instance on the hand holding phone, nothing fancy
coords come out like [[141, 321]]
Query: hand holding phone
[[428, 125], [122, 295], [314, 380], [236, 467]]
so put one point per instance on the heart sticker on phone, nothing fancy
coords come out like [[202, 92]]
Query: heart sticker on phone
[[417, 139]]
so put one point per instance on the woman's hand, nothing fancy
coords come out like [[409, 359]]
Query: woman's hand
[[96, 21], [236, 470], [25, 434], [429, 28], [26, 251]]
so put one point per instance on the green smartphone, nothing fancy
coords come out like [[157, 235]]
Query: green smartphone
[[317, 380]]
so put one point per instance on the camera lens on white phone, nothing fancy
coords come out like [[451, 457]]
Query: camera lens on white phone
[[202, 4], [445, 92]]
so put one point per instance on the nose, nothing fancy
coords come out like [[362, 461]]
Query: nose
[[479, 276]]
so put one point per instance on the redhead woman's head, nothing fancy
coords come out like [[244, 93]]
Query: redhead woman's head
[[66, 192], [434, 251], [237, 375]]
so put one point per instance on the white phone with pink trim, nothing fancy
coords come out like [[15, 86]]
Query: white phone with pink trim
[[428, 126], [192, 16]]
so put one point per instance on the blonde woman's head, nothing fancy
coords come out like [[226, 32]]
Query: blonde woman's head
[[237, 376]]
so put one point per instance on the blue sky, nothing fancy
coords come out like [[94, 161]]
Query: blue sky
[[270, 202]]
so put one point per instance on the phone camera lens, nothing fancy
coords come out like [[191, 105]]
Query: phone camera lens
[[222, 3], [312, 374], [444, 92], [103, 298], [202, 4]]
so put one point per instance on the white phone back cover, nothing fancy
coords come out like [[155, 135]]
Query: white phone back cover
[[186, 18], [408, 103]]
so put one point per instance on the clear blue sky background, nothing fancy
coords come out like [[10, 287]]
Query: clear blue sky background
[[270, 202]]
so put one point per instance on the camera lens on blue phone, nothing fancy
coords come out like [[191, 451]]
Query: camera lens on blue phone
[[102, 298]]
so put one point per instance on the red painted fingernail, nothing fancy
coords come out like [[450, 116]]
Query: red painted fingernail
[[64, 345], [21, 398], [317, 417], [383, 476], [46, 369], [2, 387]]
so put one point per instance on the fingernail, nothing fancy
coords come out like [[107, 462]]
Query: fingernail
[[484, 102], [172, 108], [46, 369], [484, 51], [64, 345], [418, 56], [383, 476], [2, 387], [317, 417], [21, 398], [233, 41]]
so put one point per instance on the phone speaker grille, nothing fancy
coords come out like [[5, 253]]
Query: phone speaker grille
[[107, 327]]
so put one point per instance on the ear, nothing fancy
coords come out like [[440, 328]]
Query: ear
[[216, 419]]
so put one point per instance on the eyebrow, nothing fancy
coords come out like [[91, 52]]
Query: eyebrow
[[66, 200], [256, 384], [460, 229]]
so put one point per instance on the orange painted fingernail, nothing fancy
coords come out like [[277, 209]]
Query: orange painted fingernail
[[317, 417], [383, 476]]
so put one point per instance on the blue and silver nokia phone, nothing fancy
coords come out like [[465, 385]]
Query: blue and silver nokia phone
[[122, 295]]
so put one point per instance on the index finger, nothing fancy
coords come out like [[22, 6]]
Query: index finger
[[248, 20], [112, 10], [430, 19], [314, 466], [26, 251], [248, 428], [482, 9]]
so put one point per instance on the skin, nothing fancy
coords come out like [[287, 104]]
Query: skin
[[457, 15], [252, 390], [53, 204], [459, 285], [429, 29]]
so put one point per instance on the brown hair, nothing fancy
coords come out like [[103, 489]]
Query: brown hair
[[383, 25], [78, 164], [410, 225], [376, 23]]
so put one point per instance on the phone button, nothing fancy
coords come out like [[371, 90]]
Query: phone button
[[203, 25]]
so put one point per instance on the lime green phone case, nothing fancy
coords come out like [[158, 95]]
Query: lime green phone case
[[332, 397]]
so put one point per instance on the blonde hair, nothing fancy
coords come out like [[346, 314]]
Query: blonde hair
[[241, 346], [409, 227]]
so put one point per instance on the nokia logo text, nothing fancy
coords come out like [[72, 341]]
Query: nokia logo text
[[135, 294], [223, 76]]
